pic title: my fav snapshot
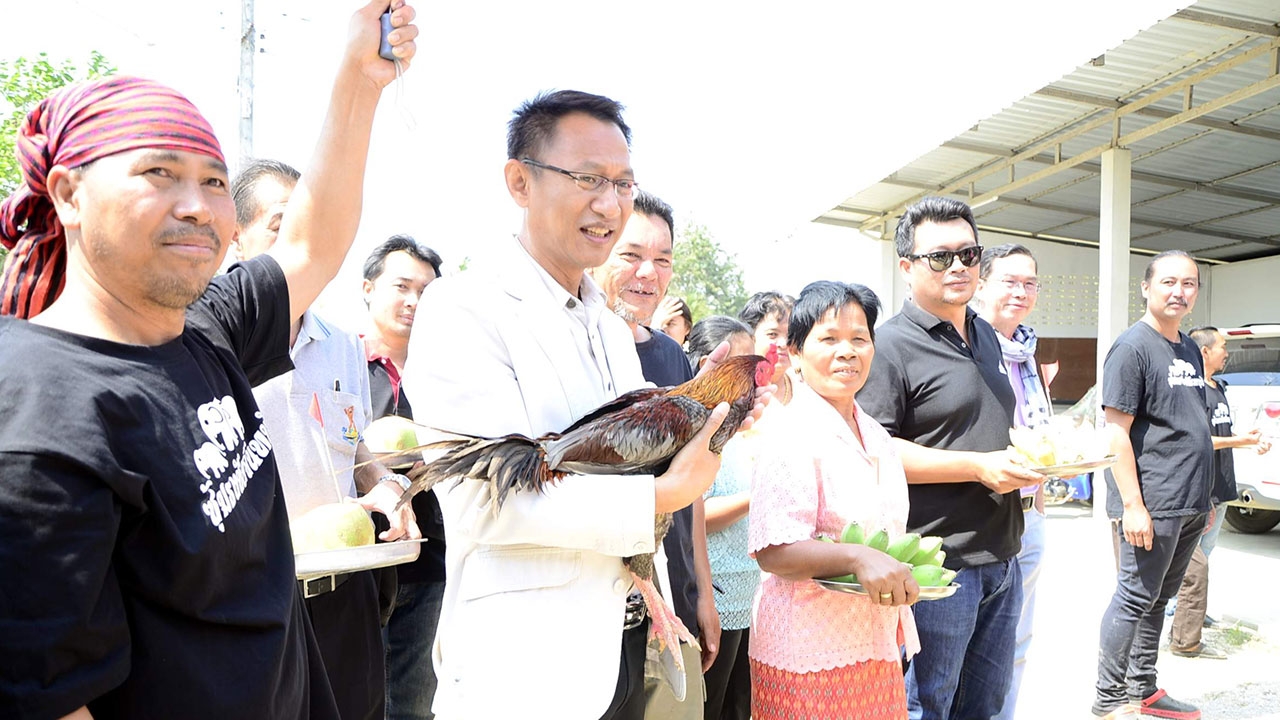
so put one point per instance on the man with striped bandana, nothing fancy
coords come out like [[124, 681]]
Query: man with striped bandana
[[146, 569]]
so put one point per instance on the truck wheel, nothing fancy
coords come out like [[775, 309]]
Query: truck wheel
[[1250, 521]]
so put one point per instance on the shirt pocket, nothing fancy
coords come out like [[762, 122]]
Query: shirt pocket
[[503, 570], [343, 422]]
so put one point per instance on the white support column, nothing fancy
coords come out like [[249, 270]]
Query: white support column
[[1113, 270], [890, 280]]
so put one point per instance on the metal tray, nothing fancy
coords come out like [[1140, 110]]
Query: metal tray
[[926, 593], [1066, 470], [366, 557]]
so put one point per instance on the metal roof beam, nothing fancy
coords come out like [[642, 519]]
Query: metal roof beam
[[1253, 27], [1105, 102], [1149, 222], [1114, 117]]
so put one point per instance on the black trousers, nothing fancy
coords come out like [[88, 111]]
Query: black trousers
[[348, 628], [729, 679], [628, 697]]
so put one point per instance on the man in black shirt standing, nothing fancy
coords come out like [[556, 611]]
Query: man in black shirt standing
[[939, 386], [1193, 596], [146, 569], [634, 280], [1158, 490]]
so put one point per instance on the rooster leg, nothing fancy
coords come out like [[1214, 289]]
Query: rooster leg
[[665, 625]]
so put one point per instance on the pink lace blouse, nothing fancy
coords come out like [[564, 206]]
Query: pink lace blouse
[[812, 477]]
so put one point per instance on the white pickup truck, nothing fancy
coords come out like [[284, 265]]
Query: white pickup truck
[[1253, 391]]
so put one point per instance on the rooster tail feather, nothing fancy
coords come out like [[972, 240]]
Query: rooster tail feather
[[513, 462]]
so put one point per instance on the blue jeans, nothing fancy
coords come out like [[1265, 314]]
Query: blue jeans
[[1130, 635], [1029, 564], [966, 646], [411, 676], [1210, 539]]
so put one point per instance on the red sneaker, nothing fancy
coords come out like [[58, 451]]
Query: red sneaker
[[1160, 705]]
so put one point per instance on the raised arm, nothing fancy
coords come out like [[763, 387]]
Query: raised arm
[[324, 211]]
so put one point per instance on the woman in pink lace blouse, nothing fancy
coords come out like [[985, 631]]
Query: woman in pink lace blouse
[[816, 653]]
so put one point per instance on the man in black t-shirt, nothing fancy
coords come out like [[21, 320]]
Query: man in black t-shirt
[[146, 569], [1158, 490], [940, 387], [1193, 595], [634, 280]]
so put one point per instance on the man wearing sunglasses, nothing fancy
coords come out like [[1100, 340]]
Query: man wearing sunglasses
[[939, 386]]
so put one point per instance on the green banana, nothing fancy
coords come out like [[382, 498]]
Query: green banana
[[929, 547], [879, 541], [929, 575], [852, 534], [824, 538], [850, 578], [905, 547]]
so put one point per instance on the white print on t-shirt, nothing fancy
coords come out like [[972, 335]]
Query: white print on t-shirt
[[221, 423], [1221, 415], [1182, 372]]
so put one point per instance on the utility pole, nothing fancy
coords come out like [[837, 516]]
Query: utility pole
[[248, 47]]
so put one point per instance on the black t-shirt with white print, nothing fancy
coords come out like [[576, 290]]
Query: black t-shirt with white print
[[1224, 463], [146, 568], [1161, 384]]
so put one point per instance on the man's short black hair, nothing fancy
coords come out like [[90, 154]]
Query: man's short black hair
[[762, 305], [1151, 266], [534, 124], [931, 209], [246, 183], [818, 298], [992, 254], [377, 260], [652, 206], [708, 334]]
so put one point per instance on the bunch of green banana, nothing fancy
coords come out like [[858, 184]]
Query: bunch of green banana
[[924, 554]]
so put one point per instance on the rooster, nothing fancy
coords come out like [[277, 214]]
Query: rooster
[[636, 434]]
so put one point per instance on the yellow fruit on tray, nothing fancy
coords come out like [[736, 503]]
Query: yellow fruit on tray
[[390, 434], [1059, 442], [332, 526]]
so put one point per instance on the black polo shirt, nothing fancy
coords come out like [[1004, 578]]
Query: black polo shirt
[[930, 387]]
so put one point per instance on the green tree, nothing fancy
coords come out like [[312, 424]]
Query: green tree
[[23, 84], [707, 277]]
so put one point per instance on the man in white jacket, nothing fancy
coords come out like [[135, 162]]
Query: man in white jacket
[[536, 598]]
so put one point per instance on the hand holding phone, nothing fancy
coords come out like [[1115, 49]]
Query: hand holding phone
[[384, 47]]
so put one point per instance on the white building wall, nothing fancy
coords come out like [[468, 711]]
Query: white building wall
[[1246, 292], [1068, 304], [1231, 295]]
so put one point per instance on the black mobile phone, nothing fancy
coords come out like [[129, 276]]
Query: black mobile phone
[[384, 49]]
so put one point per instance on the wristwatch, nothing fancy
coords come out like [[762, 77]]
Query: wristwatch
[[404, 482]]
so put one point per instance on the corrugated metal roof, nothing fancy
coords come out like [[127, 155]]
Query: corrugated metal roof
[[1208, 184]]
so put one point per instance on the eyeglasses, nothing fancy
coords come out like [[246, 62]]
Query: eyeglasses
[[588, 181], [1030, 287], [941, 260]]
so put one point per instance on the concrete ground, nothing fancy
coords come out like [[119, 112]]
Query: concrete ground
[[1076, 586]]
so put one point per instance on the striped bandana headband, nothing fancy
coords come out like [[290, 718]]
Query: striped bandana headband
[[73, 127]]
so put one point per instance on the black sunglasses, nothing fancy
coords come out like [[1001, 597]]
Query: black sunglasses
[[941, 260]]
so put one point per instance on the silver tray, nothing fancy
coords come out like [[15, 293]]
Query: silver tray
[[1072, 469], [926, 593], [366, 557]]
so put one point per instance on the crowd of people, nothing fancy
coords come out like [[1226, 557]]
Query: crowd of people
[[145, 551]]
